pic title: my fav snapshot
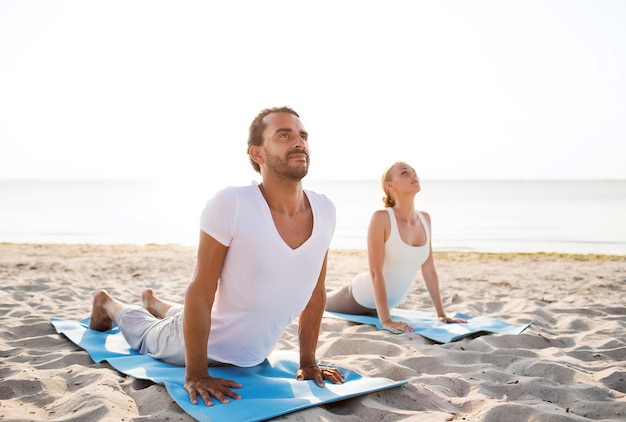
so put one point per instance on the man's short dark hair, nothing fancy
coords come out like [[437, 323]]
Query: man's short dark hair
[[257, 127]]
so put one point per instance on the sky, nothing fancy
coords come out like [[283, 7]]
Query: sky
[[459, 89]]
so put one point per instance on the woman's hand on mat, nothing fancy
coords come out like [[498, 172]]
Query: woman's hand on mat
[[397, 326], [447, 319], [319, 374], [207, 387]]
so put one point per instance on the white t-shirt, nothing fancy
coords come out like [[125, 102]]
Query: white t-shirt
[[265, 283]]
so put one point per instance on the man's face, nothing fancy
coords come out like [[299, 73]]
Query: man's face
[[285, 146]]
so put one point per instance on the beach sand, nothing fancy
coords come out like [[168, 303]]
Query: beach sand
[[570, 365]]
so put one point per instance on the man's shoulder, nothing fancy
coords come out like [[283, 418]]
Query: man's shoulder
[[238, 190], [320, 200], [316, 196], [231, 195]]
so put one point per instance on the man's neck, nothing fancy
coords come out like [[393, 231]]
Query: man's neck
[[290, 209], [284, 196]]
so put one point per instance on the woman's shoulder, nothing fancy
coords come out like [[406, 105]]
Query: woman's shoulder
[[425, 215], [382, 213], [380, 217]]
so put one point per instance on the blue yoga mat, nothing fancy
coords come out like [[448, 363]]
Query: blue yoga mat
[[269, 389], [427, 325]]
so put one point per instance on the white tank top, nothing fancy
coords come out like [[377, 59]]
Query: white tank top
[[400, 265], [265, 283]]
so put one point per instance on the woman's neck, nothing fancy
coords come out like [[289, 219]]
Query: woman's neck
[[405, 208]]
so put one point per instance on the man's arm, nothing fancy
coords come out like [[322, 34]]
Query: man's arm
[[308, 333], [197, 325]]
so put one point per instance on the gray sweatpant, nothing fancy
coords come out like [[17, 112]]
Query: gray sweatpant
[[342, 300]]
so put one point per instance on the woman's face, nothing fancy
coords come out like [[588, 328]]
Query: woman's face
[[404, 179]]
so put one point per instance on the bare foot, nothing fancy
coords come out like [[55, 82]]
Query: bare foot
[[100, 320], [149, 301], [154, 305]]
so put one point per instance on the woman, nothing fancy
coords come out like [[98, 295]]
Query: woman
[[398, 244]]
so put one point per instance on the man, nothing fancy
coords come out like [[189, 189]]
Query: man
[[261, 262]]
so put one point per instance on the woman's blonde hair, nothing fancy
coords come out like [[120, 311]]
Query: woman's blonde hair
[[387, 199]]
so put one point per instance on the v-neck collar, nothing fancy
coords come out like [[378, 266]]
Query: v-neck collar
[[268, 215]]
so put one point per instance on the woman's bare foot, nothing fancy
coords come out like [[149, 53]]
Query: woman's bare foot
[[154, 305], [100, 319]]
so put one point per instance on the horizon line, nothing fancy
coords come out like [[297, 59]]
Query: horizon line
[[319, 179]]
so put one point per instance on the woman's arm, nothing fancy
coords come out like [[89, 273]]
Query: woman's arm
[[431, 279], [378, 233]]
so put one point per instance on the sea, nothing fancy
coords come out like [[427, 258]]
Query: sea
[[571, 217]]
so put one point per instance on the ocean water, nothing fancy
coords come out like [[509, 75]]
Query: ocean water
[[484, 216]]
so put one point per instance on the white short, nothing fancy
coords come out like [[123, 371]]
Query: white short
[[160, 338]]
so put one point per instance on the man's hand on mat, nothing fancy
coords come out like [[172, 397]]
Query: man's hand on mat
[[397, 326], [319, 374], [447, 319], [207, 387]]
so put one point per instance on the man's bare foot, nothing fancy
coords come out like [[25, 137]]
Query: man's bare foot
[[100, 320], [148, 299], [154, 305]]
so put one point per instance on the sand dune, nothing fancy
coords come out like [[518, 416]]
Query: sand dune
[[570, 365]]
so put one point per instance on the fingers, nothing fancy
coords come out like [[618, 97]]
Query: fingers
[[319, 374], [333, 375], [402, 326], [231, 384], [399, 327], [449, 320], [220, 395], [319, 379], [212, 388], [192, 396], [206, 396]]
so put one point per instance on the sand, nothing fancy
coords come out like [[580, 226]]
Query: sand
[[569, 366]]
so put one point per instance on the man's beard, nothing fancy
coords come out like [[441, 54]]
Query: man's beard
[[281, 167]]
